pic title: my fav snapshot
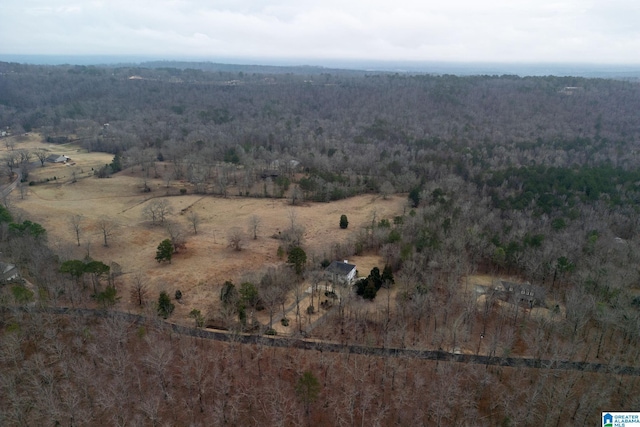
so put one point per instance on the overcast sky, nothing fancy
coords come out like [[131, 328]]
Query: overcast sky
[[591, 31]]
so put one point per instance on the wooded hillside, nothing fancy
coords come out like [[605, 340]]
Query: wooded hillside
[[534, 179]]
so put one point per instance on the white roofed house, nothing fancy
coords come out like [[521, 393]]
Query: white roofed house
[[341, 272], [57, 158]]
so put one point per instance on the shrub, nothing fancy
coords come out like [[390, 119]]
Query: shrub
[[165, 306], [331, 294], [141, 332], [164, 251], [394, 236], [344, 222], [21, 294], [108, 297], [198, 317], [298, 258]]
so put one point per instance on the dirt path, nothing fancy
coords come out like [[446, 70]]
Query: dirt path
[[6, 190]]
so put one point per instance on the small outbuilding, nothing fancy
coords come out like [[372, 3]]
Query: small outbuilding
[[341, 272]]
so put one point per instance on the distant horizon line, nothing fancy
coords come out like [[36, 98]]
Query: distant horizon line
[[578, 69]]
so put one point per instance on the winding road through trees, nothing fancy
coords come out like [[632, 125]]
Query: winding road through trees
[[320, 345]]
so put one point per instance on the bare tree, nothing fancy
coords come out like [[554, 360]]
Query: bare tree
[[114, 271], [7, 201], [168, 176], [24, 156], [293, 235], [23, 189], [42, 155], [107, 228], [268, 187], [145, 184], [157, 359], [157, 211], [149, 213], [139, 289], [235, 238], [296, 195], [75, 222], [12, 160], [254, 225], [293, 218], [222, 182], [9, 143], [579, 306], [176, 234], [164, 209], [194, 220], [298, 293], [8, 172], [271, 296], [386, 189], [198, 177]]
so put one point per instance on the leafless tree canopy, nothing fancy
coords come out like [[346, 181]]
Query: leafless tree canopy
[[139, 289], [254, 225], [176, 234], [41, 155], [235, 238], [157, 211], [194, 220], [386, 189], [107, 228], [76, 223]]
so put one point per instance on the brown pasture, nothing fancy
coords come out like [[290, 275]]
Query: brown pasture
[[207, 261]]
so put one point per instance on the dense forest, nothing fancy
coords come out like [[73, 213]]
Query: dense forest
[[531, 177]]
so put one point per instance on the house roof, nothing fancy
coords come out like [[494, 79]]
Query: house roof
[[8, 272], [269, 173], [5, 268], [524, 290], [339, 267], [57, 158], [509, 285]]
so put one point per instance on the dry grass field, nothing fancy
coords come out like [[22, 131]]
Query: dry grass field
[[207, 261]]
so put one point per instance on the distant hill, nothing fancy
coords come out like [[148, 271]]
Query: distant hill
[[309, 66]]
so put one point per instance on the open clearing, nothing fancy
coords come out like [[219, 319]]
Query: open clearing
[[207, 261], [481, 284]]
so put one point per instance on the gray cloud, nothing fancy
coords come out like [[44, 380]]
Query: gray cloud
[[461, 30]]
